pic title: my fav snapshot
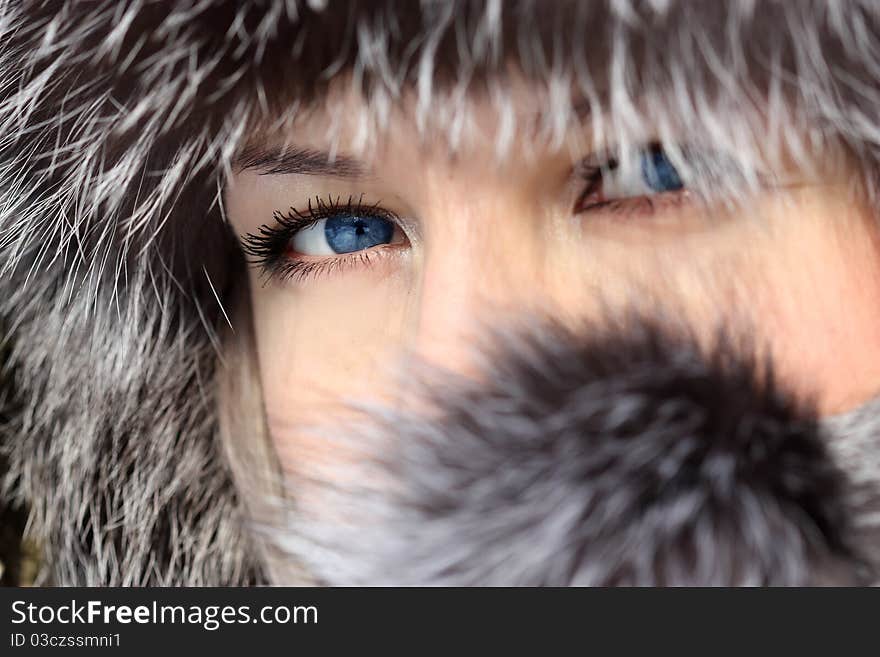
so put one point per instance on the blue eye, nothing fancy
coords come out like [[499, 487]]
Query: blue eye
[[346, 233], [343, 233], [658, 172]]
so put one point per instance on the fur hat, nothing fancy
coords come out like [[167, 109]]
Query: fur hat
[[119, 121]]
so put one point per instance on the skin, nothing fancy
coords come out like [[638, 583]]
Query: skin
[[485, 242]]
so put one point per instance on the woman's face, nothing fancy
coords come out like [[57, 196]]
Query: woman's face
[[411, 249]]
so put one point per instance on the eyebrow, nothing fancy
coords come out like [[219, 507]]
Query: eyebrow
[[269, 161]]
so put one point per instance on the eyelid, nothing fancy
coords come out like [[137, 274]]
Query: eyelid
[[297, 270], [710, 176]]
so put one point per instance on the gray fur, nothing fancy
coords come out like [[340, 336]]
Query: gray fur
[[616, 454], [119, 121]]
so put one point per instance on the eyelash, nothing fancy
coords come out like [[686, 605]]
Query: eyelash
[[269, 249]]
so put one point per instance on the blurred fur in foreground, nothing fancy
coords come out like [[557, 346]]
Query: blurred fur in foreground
[[609, 456]]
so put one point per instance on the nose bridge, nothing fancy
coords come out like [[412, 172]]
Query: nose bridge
[[476, 271]]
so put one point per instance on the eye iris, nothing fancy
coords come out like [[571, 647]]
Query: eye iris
[[349, 233], [659, 173]]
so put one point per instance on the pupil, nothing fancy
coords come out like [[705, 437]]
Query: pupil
[[348, 233]]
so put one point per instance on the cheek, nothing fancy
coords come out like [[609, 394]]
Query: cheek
[[805, 279], [319, 346], [820, 306], [800, 274]]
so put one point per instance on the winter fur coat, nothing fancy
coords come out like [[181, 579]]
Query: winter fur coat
[[118, 123]]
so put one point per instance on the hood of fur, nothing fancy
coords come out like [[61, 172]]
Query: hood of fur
[[119, 121]]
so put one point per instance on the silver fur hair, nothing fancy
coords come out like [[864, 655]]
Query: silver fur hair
[[121, 119]]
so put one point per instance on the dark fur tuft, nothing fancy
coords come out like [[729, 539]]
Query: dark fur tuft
[[602, 459]]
